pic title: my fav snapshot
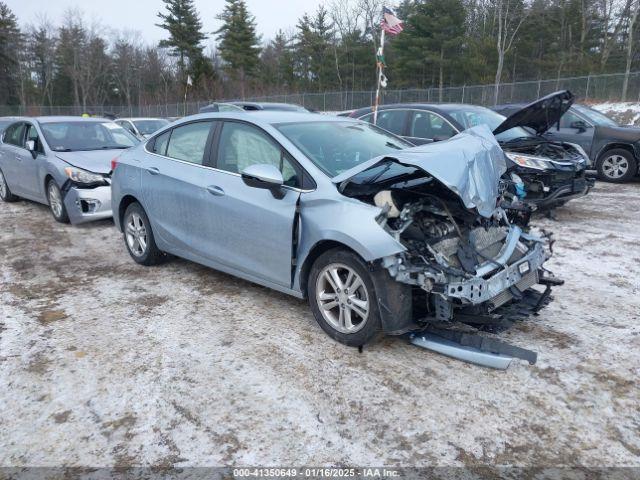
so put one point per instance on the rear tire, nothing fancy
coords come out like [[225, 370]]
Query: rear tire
[[342, 298], [56, 204], [5, 192], [617, 166], [138, 236]]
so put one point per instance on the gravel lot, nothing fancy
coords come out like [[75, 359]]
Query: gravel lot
[[105, 363]]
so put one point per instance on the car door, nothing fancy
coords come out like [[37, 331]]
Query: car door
[[427, 127], [574, 129], [251, 229], [10, 158], [392, 120], [173, 182], [29, 165]]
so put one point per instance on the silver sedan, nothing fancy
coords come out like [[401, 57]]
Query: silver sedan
[[379, 236], [63, 162]]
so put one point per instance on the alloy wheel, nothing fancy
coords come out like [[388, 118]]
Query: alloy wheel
[[136, 234], [342, 298], [55, 200], [615, 166]]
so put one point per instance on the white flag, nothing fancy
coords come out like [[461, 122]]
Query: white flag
[[189, 81], [383, 80]]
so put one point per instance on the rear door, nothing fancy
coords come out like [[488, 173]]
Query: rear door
[[174, 181], [251, 229]]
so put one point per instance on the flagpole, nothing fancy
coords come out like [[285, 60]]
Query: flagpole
[[380, 66]]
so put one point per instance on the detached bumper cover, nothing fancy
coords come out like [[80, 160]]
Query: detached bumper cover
[[88, 204]]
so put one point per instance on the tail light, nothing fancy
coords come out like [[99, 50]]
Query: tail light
[[114, 164]]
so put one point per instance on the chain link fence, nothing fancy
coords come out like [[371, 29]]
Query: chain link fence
[[590, 88]]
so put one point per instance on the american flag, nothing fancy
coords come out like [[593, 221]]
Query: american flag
[[390, 23]]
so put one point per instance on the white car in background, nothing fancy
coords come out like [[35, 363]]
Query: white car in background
[[142, 128]]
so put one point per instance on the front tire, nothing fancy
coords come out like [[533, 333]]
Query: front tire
[[5, 192], [343, 299], [617, 166], [56, 204], [138, 236]]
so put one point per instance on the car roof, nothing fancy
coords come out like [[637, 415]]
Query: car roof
[[271, 117], [270, 105], [425, 106], [54, 119], [135, 119]]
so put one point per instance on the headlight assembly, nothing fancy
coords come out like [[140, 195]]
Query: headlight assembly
[[529, 161], [82, 177]]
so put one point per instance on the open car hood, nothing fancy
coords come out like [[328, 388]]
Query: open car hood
[[469, 164], [541, 114]]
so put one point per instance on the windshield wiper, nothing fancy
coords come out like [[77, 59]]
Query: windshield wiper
[[520, 139], [393, 145], [375, 177]]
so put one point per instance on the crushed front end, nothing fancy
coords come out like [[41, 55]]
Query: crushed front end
[[553, 173], [465, 267], [468, 257]]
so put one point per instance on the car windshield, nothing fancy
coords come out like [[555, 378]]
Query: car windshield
[[484, 116], [147, 127], [81, 136], [335, 147], [595, 117]]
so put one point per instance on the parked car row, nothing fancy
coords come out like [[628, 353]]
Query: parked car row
[[380, 235]]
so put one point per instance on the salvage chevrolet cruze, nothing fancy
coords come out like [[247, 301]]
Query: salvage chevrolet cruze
[[380, 236]]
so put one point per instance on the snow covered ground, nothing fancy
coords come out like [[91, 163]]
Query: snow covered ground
[[106, 363], [625, 113]]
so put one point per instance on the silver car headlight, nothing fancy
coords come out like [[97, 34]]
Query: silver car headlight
[[77, 175], [529, 161]]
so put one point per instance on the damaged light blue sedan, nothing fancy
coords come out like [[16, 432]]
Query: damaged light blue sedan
[[380, 236]]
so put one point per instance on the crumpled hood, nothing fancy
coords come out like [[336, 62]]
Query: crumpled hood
[[540, 115], [96, 161], [469, 164]]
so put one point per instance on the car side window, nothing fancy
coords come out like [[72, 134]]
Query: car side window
[[189, 142], [390, 120], [426, 124], [242, 145], [14, 134], [161, 142], [32, 134], [568, 119]]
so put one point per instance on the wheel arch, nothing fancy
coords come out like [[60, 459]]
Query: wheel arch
[[616, 145], [315, 251], [123, 205]]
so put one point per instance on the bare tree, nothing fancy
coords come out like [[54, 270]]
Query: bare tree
[[633, 19], [509, 20], [614, 15]]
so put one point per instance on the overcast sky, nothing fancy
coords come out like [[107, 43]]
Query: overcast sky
[[141, 15]]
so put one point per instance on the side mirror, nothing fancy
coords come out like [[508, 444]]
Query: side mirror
[[31, 146], [579, 125], [262, 176]]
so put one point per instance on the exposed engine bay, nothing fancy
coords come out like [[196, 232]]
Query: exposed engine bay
[[462, 261], [542, 148]]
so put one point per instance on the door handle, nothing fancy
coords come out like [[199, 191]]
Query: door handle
[[153, 170], [215, 190]]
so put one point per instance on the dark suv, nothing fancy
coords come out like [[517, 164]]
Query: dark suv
[[614, 150]]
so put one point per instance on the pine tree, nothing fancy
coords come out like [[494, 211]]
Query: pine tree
[[11, 40], [239, 43], [185, 32]]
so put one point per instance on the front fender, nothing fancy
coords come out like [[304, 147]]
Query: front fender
[[345, 221]]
